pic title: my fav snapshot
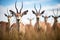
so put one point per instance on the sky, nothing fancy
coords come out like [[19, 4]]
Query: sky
[[46, 5]]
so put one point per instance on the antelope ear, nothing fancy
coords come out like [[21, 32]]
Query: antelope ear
[[5, 15], [52, 16], [49, 16], [42, 11], [59, 16], [42, 16], [12, 12], [33, 12], [25, 12]]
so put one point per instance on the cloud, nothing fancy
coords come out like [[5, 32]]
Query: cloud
[[44, 0], [3, 9]]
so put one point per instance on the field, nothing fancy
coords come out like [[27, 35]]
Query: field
[[31, 33]]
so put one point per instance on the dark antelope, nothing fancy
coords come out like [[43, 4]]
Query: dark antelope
[[19, 14], [38, 13], [55, 19]]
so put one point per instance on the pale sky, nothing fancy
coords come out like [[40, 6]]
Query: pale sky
[[47, 5]]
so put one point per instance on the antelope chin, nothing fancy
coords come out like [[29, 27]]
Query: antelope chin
[[8, 18], [19, 17], [38, 16]]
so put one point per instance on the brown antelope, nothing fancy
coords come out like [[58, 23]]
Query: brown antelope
[[38, 13], [55, 27], [9, 17], [55, 19], [8, 27], [19, 14], [45, 19]]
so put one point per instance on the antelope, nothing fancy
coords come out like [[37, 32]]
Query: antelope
[[8, 17], [45, 19], [30, 20], [37, 14], [29, 26], [19, 14], [8, 27], [55, 19]]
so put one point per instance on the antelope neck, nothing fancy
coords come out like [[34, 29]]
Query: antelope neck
[[37, 19]]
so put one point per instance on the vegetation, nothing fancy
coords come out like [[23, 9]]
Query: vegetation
[[30, 34]]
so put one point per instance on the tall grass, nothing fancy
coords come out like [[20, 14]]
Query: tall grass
[[31, 34]]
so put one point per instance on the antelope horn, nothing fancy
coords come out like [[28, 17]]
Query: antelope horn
[[54, 13], [35, 7], [16, 7], [57, 11], [40, 8], [21, 7]]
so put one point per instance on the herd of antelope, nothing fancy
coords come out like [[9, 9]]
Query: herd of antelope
[[22, 28]]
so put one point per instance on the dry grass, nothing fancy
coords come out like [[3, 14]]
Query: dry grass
[[31, 34]]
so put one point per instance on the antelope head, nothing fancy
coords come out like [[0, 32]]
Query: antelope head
[[45, 17], [55, 16], [19, 14], [30, 19], [8, 16], [38, 13]]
